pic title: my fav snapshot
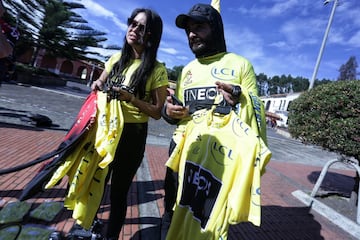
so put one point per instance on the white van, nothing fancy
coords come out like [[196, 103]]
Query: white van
[[283, 122]]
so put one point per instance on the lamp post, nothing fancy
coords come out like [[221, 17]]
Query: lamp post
[[323, 43]]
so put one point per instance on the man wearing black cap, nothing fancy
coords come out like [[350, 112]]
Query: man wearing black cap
[[213, 71]]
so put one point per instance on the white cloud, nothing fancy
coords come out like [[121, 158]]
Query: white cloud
[[277, 36], [355, 40], [279, 44], [281, 7], [98, 10], [336, 37], [287, 64], [299, 32], [277, 9], [348, 12], [174, 49], [169, 50], [244, 42]]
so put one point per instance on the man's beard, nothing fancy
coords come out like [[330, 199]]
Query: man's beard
[[198, 48], [202, 47]]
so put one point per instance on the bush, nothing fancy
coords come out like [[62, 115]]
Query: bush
[[329, 116], [38, 77], [33, 71], [23, 68]]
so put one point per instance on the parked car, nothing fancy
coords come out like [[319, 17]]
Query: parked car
[[283, 121]]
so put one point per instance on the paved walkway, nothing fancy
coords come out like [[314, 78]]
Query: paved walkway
[[285, 215]]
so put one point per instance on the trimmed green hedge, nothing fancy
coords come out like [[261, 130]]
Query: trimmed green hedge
[[329, 116]]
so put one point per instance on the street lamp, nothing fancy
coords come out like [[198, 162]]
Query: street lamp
[[323, 43]]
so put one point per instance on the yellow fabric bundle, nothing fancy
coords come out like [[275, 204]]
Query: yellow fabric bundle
[[87, 165], [110, 123]]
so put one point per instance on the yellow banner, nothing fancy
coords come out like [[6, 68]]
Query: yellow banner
[[216, 4]]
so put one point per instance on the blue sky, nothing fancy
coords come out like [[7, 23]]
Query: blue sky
[[277, 36]]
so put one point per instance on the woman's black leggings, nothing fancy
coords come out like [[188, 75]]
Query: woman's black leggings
[[128, 157]]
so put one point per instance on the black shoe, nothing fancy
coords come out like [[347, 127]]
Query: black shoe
[[56, 236], [97, 226], [78, 232]]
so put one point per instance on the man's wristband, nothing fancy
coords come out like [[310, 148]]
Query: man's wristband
[[236, 91]]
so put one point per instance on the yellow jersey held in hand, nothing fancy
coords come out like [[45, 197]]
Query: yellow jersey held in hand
[[219, 160]]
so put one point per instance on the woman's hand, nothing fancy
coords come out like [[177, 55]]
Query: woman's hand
[[97, 85], [152, 109], [100, 82], [124, 95]]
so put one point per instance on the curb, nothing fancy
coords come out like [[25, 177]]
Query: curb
[[283, 133], [343, 222]]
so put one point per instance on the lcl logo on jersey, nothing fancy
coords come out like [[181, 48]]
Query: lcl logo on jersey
[[223, 73], [221, 154]]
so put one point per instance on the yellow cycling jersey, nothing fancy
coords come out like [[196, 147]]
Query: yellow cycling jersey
[[87, 165], [219, 160], [158, 78], [196, 88]]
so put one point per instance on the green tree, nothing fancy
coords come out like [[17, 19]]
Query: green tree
[[22, 15], [262, 83], [274, 85], [348, 70], [320, 82], [174, 73], [282, 84], [60, 31], [300, 84], [64, 33], [329, 116]]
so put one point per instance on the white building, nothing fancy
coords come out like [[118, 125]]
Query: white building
[[277, 106]]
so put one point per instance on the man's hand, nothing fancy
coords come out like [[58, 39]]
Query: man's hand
[[230, 92], [175, 111]]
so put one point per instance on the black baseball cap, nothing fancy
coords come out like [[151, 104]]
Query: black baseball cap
[[199, 13]]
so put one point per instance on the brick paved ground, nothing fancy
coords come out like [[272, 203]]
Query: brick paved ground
[[284, 216]]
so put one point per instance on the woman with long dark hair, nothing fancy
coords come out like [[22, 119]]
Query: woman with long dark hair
[[140, 82]]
